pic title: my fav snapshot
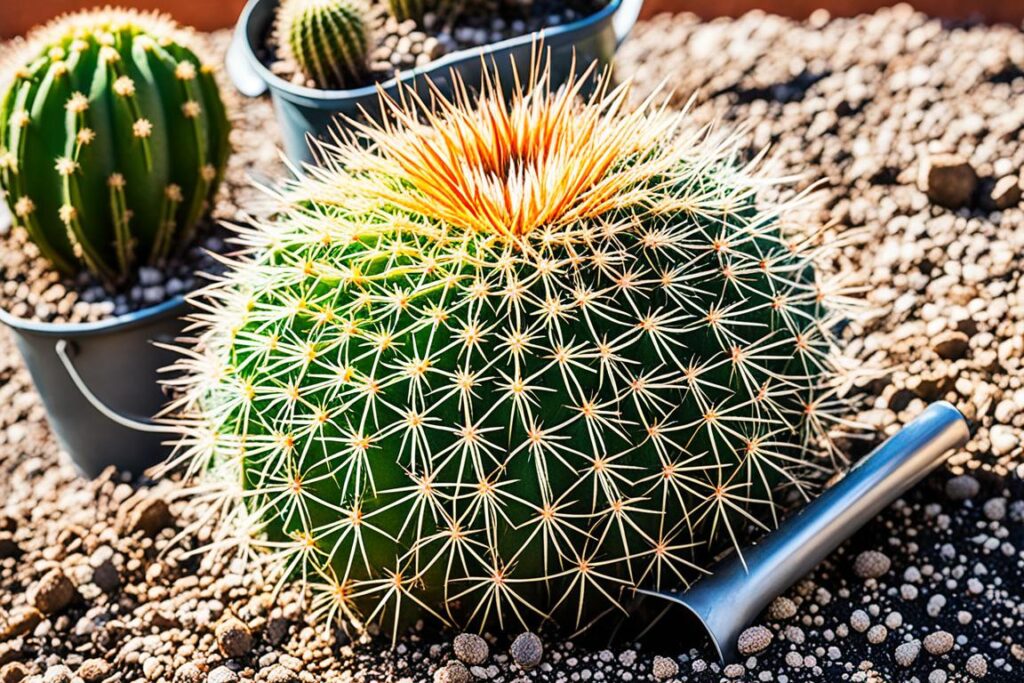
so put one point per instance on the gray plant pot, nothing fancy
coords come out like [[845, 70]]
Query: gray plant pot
[[98, 382], [303, 111]]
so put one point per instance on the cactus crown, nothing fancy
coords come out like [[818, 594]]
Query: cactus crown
[[506, 362], [113, 139], [327, 39]]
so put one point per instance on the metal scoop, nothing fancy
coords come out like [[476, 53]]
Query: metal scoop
[[728, 600]]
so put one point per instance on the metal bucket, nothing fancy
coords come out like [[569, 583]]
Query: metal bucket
[[99, 383], [303, 111]]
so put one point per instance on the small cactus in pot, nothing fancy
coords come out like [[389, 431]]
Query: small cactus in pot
[[327, 39], [507, 362], [113, 140]]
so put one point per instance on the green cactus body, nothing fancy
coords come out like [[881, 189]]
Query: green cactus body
[[327, 39], [113, 140], [510, 365]]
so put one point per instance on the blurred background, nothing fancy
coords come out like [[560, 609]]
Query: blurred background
[[17, 16]]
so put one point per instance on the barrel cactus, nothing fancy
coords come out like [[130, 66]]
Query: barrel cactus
[[113, 140], [327, 39], [500, 363]]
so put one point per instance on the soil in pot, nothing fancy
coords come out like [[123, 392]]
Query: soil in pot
[[399, 46], [33, 290]]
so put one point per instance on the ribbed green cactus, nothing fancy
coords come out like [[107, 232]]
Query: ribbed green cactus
[[113, 139], [511, 363], [326, 39]]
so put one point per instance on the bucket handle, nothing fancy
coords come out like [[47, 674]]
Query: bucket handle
[[240, 70], [64, 350], [625, 18]]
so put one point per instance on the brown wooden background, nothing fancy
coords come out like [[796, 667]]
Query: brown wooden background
[[17, 16]]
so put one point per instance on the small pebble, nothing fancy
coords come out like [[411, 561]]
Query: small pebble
[[470, 648], [871, 564], [222, 674], [52, 593], [93, 670], [453, 672], [995, 509], [907, 653], [781, 608], [977, 666], [877, 634], [860, 621], [189, 673], [233, 638], [938, 643], [527, 650], [962, 487], [664, 668], [754, 640]]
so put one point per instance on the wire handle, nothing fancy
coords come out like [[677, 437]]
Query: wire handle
[[64, 349], [240, 70], [625, 18]]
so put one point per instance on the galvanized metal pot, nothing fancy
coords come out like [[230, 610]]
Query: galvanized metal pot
[[303, 111], [99, 383]]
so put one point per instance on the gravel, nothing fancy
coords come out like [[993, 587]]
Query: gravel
[[527, 650], [664, 668], [962, 487], [871, 564], [470, 648], [52, 593], [860, 102], [453, 672], [907, 653], [753, 640], [977, 666], [234, 639], [948, 179], [938, 643]]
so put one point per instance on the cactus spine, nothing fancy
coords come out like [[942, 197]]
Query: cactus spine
[[113, 140], [326, 39], [507, 365]]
